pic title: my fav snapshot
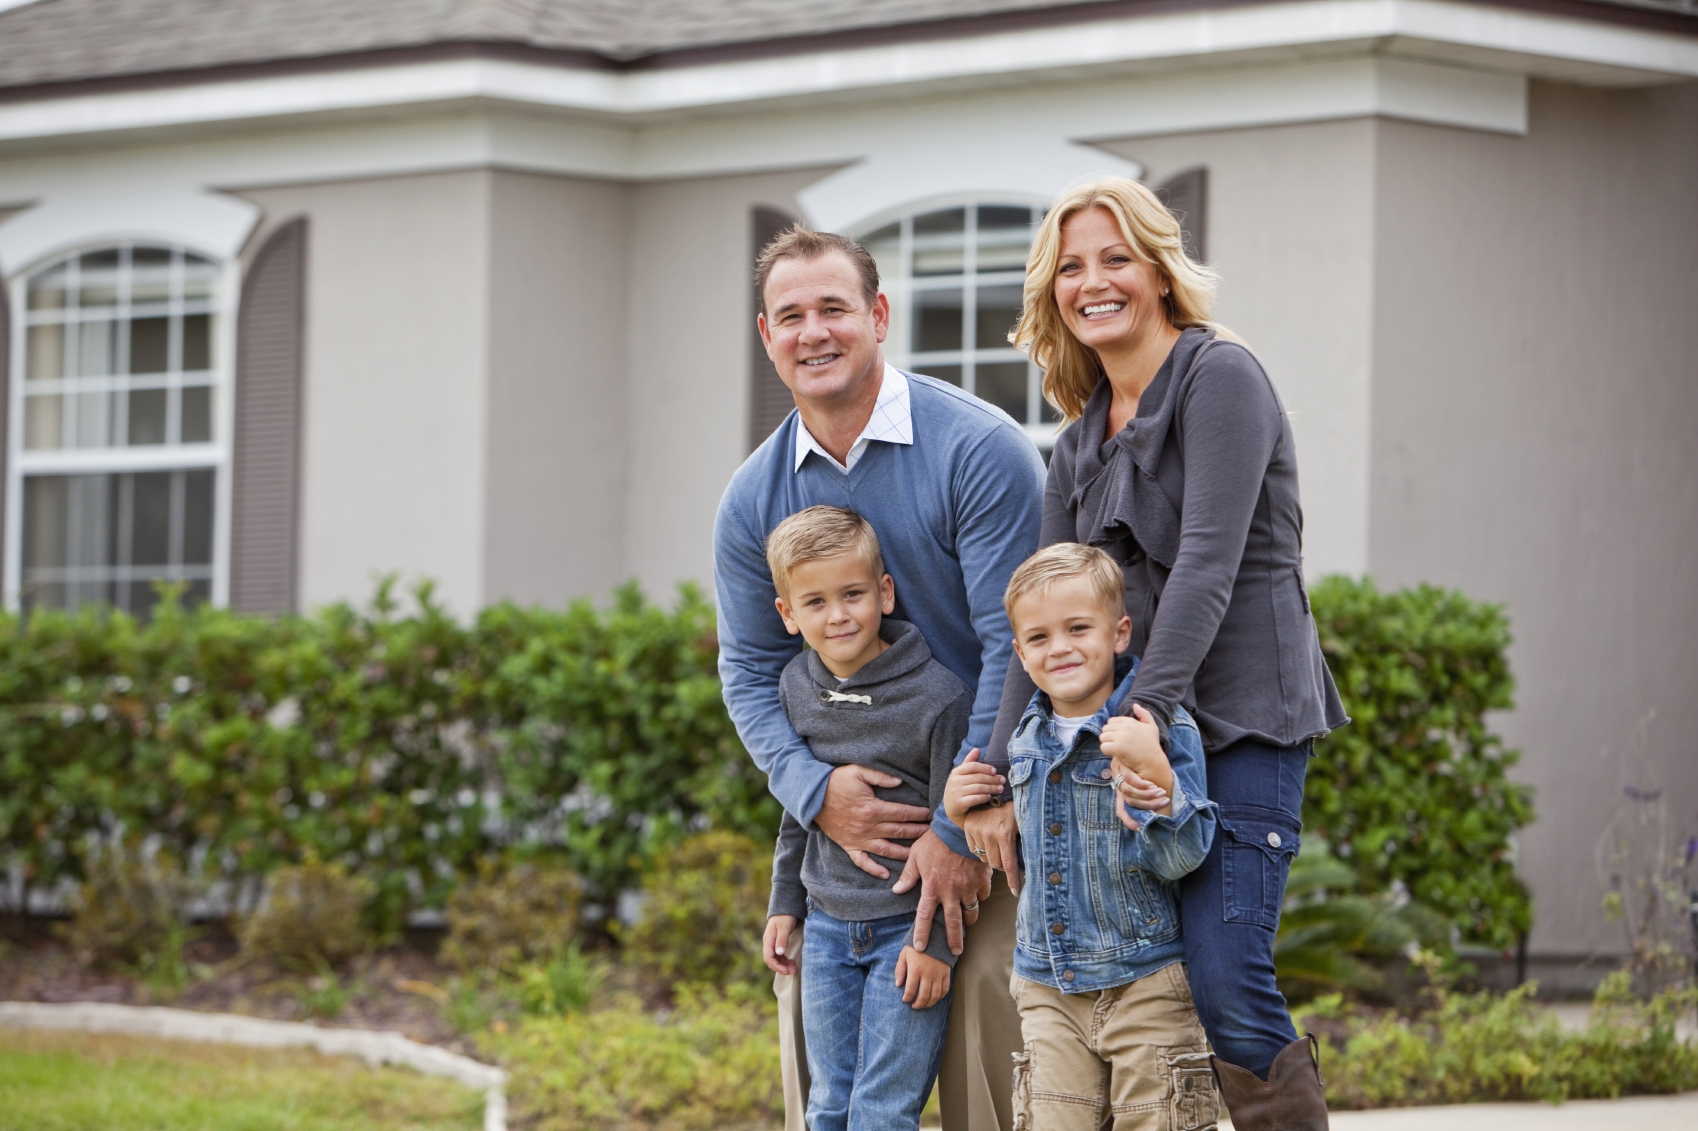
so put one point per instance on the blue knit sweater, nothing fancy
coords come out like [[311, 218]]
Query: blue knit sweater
[[956, 511]]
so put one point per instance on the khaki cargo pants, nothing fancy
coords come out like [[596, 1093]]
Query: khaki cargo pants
[[984, 1029], [1135, 1054]]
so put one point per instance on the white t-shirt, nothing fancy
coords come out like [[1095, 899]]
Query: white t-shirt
[[1066, 728]]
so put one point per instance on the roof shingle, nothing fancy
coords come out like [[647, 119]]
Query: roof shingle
[[51, 41]]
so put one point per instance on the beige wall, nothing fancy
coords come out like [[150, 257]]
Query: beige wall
[[1290, 227], [688, 296], [1535, 439], [394, 431], [555, 507]]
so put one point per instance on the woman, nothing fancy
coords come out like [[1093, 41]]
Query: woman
[[1178, 461]]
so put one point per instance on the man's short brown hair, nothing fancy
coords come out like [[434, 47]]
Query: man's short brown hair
[[816, 533], [801, 242], [1064, 560]]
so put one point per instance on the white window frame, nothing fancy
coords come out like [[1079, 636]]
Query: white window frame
[[900, 293], [215, 454]]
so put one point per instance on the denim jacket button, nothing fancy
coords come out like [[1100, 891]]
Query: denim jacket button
[[1067, 976], [1273, 839], [1055, 877], [1054, 776], [1055, 829], [1106, 774], [1057, 929]]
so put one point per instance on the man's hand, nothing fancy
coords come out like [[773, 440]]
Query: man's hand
[[997, 832], [954, 882], [924, 979], [971, 783], [776, 941], [858, 821]]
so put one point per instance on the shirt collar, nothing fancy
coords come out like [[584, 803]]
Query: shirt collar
[[891, 422]]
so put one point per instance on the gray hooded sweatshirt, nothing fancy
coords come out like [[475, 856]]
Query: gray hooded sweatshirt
[[904, 714]]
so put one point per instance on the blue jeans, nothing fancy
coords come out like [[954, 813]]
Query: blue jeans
[[1230, 906], [872, 1056]]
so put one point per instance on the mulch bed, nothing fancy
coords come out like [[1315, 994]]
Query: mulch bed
[[35, 965]]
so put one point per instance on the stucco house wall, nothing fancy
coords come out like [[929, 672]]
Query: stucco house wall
[[1535, 396]]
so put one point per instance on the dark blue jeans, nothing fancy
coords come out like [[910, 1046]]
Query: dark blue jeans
[[1230, 905]]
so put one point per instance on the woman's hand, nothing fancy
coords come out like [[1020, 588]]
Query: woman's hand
[[776, 941], [924, 979], [970, 784]]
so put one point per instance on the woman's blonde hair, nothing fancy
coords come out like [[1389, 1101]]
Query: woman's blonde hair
[[1071, 368]]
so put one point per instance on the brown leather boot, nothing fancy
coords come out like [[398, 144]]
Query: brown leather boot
[[1291, 1099]]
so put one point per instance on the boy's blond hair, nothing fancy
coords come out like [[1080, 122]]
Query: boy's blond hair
[[1061, 561], [820, 532]]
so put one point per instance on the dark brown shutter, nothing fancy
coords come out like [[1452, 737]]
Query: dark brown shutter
[[769, 397], [267, 443], [5, 398], [1187, 197]]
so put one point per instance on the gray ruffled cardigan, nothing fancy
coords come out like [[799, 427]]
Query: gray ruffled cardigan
[[1196, 498]]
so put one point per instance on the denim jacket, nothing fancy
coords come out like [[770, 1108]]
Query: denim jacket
[[1098, 906]]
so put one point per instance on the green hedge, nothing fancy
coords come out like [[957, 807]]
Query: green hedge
[[1416, 789], [409, 746], [403, 746]]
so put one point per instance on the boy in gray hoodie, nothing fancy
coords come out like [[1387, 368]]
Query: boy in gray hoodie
[[865, 692]]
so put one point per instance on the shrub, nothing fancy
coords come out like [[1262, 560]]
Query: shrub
[[311, 918], [711, 1063], [567, 981], [523, 914], [1326, 932], [704, 911], [129, 912], [1415, 789], [403, 747], [1489, 1046]]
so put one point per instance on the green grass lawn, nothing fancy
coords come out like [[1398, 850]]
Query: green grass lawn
[[55, 1081]]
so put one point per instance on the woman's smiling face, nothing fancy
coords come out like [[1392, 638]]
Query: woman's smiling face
[[1108, 297]]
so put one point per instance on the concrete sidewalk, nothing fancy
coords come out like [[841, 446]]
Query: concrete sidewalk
[[1631, 1113]]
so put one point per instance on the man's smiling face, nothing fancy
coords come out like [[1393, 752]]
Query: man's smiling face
[[820, 331]]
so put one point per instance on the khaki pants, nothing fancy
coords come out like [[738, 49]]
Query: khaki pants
[[984, 1028], [1134, 1054]]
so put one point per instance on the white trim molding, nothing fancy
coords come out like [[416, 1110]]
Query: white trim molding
[[107, 212]]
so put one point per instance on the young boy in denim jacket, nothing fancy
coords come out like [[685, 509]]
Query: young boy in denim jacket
[[1099, 978], [866, 692]]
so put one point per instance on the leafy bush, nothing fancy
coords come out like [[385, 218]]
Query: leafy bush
[[311, 918], [129, 912], [710, 1063], [1415, 789], [1488, 1046], [404, 747], [1326, 932], [704, 912], [567, 981], [526, 912]]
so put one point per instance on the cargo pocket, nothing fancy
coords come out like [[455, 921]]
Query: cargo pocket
[[1257, 845], [1192, 1105], [1023, 1090]]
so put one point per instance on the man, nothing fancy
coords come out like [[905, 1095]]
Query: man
[[954, 490]]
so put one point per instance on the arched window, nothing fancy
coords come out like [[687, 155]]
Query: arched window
[[953, 276], [115, 428]]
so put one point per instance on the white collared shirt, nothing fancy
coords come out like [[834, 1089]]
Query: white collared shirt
[[891, 421]]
